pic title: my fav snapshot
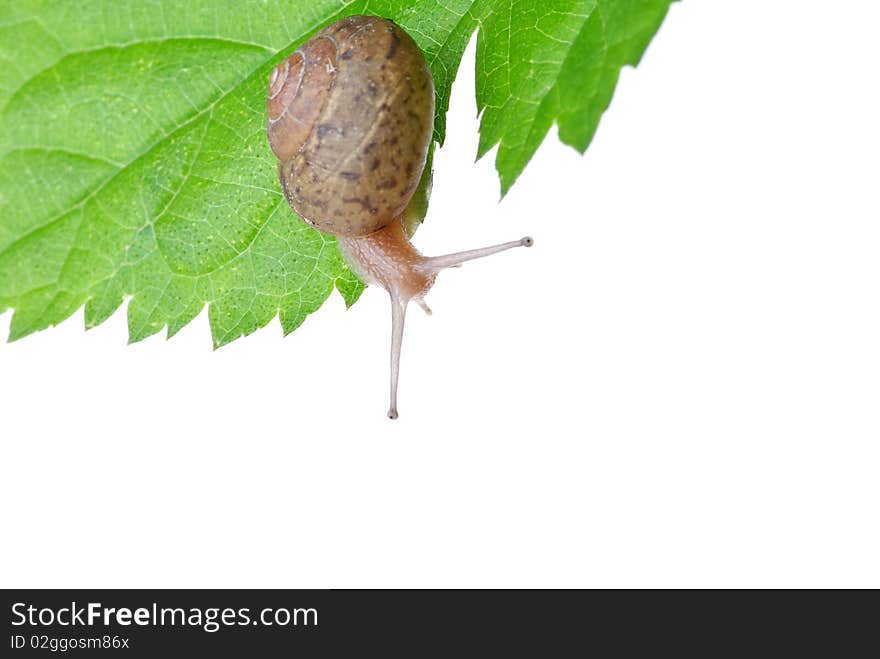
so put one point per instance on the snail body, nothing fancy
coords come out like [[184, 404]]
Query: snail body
[[350, 119]]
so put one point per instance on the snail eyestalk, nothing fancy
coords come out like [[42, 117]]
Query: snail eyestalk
[[398, 316], [437, 263]]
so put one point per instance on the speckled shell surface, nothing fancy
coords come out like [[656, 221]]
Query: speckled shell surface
[[350, 118]]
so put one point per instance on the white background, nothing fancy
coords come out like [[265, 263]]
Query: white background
[[679, 385]]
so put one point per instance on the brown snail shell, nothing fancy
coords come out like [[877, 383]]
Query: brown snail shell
[[350, 119]]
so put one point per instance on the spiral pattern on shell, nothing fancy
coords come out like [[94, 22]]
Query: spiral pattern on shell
[[350, 119]]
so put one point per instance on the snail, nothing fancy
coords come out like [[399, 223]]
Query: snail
[[350, 120]]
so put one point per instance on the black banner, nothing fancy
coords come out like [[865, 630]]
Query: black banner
[[317, 623]]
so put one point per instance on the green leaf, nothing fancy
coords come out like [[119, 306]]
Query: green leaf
[[134, 162], [545, 62]]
